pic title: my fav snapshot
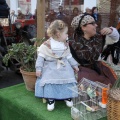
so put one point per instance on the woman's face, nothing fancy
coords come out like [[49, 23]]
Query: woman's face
[[95, 10], [90, 29], [75, 11]]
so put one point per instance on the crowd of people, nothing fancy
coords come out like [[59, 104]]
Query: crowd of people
[[68, 16], [20, 15], [62, 14]]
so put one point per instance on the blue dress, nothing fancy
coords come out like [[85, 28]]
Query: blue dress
[[56, 80]]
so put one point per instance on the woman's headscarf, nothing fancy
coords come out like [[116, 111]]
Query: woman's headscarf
[[82, 20]]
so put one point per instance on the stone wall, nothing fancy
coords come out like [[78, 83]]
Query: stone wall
[[104, 9], [109, 12], [104, 6]]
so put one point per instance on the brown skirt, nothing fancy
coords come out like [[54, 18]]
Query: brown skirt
[[107, 74]]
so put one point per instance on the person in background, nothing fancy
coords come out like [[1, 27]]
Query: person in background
[[1, 58], [75, 12], [2, 50], [51, 16], [28, 15], [20, 14], [55, 67], [35, 14], [35, 17], [97, 18], [60, 15], [87, 47], [13, 16], [88, 11]]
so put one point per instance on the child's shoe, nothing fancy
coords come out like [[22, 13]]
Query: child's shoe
[[50, 105], [69, 102]]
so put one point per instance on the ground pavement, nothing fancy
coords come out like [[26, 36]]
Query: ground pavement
[[10, 78]]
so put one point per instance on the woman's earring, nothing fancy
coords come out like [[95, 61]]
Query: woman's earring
[[84, 32]]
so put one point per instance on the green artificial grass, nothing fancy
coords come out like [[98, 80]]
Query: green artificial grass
[[16, 103]]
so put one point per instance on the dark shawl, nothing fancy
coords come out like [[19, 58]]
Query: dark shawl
[[87, 52]]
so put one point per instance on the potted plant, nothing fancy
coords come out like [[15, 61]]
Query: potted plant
[[26, 56]]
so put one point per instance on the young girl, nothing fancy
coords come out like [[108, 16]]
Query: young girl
[[55, 67]]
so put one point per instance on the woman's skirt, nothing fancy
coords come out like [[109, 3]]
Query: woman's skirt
[[107, 75]]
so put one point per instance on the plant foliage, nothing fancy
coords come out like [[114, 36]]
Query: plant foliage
[[24, 54]]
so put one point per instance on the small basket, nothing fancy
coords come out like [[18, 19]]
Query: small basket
[[113, 105]]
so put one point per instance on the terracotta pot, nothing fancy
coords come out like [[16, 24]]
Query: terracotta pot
[[29, 79]]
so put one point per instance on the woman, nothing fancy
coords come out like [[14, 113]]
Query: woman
[[20, 14], [87, 47], [75, 11], [97, 17]]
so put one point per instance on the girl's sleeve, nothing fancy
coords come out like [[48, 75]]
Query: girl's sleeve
[[39, 63], [113, 37], [72, 61]]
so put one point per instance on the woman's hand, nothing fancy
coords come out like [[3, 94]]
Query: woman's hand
[[106, 31], [38, 73], [76, 69]]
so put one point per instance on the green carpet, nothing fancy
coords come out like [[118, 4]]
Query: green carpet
[[16, 103]]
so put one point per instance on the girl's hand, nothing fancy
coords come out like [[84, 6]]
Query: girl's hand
[[38, 73], [106, 31], [76, 69]]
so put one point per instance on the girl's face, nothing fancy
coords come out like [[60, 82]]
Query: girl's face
[[90, 29], [64, 35]]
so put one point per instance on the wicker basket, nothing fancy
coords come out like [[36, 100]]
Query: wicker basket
[[113, 105]]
